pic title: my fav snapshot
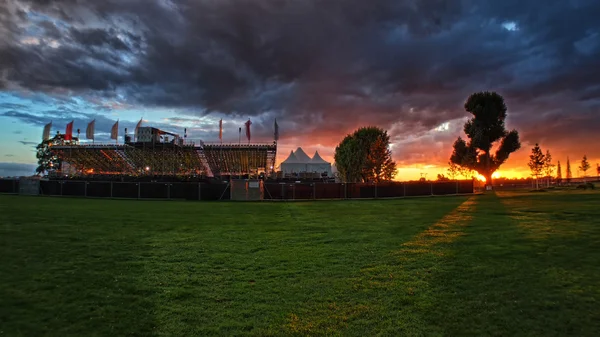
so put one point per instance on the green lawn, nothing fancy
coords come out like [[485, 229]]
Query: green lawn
[[509, 264]]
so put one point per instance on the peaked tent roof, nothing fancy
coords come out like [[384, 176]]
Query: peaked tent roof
[[316, 159], [302, 156], [291, 159]]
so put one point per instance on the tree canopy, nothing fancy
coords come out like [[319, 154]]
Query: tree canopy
[[364, 156], [47, 160], [484, 130]]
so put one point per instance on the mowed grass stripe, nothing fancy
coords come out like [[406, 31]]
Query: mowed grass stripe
[[74, 267], [508, 282], [390, 296]]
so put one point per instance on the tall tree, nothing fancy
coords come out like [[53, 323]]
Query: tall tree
[[365, 156], [453, 170], [598, 170], [558, 173], [484, 130], [584, 166], [569, 174], [548, 167], [536, 163]]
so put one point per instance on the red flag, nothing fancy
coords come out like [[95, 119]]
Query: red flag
[[248, 123], [69, 131], [221, 129]]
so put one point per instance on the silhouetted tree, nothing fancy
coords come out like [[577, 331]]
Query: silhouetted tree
[[598, 170], [548, 167], [484, 130], [536, 163], [466, 172], [441, 177], [365, 156], [558, 173], [584, 166], [569, 174], [453, 170]]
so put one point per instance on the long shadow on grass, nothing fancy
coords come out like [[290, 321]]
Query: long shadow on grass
[[280, 269], [391, 293], [513, 275]]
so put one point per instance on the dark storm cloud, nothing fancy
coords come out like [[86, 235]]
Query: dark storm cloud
[[321, 67], [99, 38]]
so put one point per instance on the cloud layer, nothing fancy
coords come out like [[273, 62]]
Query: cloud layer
[[322, 68]]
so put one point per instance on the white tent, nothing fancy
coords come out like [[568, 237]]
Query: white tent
[[298, 161], [302, 156], [292, 164], [317, 164]]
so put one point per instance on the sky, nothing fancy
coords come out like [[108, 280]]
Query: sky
[[321, 68]]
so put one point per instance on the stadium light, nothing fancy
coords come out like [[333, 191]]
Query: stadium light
[[147, 168]]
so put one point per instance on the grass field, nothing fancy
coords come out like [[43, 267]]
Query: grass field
[[506, 264]]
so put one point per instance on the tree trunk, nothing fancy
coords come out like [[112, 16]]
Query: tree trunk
[[488, 180]]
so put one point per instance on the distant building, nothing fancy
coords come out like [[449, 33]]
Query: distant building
[[299, 162]]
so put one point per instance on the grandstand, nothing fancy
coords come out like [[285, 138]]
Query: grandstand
[[156, 156]]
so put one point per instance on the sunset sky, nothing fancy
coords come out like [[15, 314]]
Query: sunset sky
[[322, 68]]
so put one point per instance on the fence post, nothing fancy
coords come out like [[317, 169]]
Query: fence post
[[111, 189], [14, 188], [168, 191], [345, 191], [431, 186], [283, 191], [85, 189], [294, 191], [139, 185], [314, 185], [404, 187], [375, 190], [61, 188], [199, 198], [457, 187]]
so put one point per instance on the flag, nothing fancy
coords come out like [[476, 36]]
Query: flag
[[69, 131], [276, 130], [221, 129], [139, 125], [46, 134], [89, 132], [114, 132], [248, 123]]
